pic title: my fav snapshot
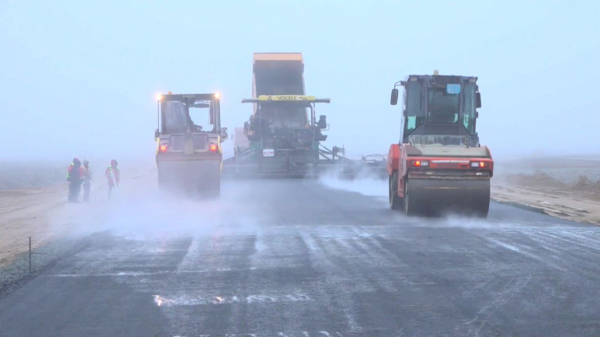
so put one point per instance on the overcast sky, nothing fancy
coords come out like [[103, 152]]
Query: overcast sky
[[79, 78]]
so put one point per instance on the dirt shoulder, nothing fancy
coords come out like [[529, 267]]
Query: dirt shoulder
[[559, 203], [568, 189], [45, 215], [42, 214]]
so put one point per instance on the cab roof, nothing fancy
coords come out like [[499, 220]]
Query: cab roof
[[190, 97], [442, 79]]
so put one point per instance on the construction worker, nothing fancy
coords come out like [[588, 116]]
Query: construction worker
[[114, 176], [75, 178], [87, 180]]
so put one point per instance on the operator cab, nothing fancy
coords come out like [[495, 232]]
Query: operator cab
[[439, 109], [189, 113], [289, 115], [193, 119], [282, 122]]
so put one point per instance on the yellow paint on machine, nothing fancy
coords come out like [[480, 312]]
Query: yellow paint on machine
[[287, 98]]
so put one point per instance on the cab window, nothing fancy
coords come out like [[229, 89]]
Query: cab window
[[442, 107], [412, 102], [469, 112]]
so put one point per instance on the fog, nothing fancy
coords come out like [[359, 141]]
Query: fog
[[373, 187], [79, 79]]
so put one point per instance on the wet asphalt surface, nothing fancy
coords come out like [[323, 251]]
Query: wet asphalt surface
[[294, 258]]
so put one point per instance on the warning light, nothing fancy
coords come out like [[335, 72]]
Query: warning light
[[420, 163], [479, 164], [213, 147], [159, 97], [218, 95], [163, 147]]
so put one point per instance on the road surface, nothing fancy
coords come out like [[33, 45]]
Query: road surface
[[297, 258]]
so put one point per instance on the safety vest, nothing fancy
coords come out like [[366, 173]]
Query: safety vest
[[70, 171], [115, 173], [87, 174]]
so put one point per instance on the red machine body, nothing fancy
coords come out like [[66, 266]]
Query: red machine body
[[439, 165]]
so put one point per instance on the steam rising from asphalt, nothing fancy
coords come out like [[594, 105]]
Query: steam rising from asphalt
[[153, 215], [366, 182], [367, 186], [458, 221], [377, 188], [144, 212]]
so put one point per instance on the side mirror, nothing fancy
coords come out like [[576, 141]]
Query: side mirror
[[224, 134], [156, 134], [478, 100], [394, 99]]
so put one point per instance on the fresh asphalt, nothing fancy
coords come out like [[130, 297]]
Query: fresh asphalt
[[296, 258]]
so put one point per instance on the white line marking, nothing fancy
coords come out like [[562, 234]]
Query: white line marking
[[151, 273], [188, 300]]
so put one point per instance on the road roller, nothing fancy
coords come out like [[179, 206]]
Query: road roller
[[439, 166], [188, 137]]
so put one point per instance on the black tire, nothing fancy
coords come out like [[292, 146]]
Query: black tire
[[481, 205], [410, 204], [396, 203], [483, 209]]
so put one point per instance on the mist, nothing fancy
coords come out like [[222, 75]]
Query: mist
[[79, 79]]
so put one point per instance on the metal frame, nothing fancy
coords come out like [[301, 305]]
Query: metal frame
[[426, 82], [214, 108], [323, 155], [307, 101]]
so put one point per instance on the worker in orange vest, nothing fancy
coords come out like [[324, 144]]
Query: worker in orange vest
[[75, 178], [114, 176]]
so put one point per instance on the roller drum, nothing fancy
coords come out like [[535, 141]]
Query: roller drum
[[438, 196], [201, 177]]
